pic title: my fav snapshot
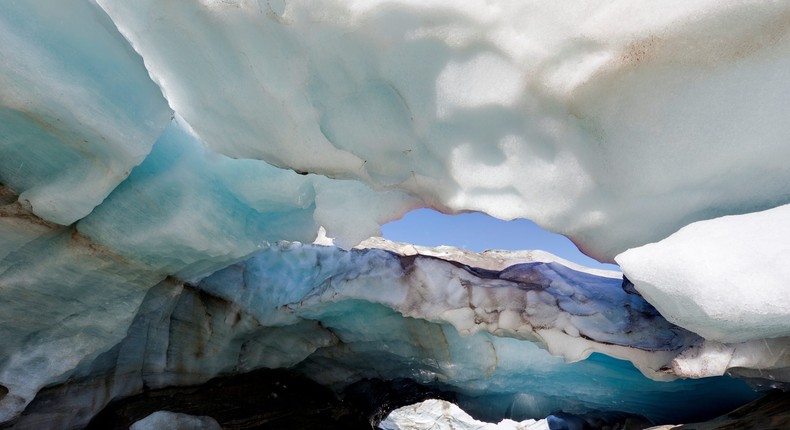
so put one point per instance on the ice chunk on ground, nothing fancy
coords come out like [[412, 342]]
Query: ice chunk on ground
[[175, 421], [442, 415]]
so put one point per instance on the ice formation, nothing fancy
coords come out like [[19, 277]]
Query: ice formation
[[442, 415], [696, 276], [174, 421], [153, 153], [697, 279], [342, 316]]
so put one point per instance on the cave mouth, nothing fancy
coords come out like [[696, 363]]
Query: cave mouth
[[284, 398], [272, 399], [476, 232], [354, 409]]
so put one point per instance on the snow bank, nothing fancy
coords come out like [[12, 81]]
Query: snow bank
[[725, 278]]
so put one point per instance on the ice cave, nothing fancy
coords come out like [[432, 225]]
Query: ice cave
[[192, 194]]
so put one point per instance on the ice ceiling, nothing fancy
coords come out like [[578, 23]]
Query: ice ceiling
[[153, 152]]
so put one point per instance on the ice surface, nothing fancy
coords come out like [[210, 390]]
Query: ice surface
[[611, 123], [175, 421], [342, 316], [187, 211], [725, 278], [762, 359], [64, 300], [77, 108], [573, 313], [442, 415]]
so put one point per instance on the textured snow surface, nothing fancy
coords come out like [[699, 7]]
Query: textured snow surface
[[519, 110], [726, 278], [611, 122], [442, 415]]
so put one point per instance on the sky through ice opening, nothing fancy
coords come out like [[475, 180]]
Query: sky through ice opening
[[478, 232]]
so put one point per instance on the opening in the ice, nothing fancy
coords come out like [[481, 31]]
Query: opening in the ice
[[478, 232]]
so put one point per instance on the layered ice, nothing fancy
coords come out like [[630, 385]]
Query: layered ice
[[443, 415], [77, 108], [340, 317], [188, 212], [573, 313], [65, 300], [175, 421]]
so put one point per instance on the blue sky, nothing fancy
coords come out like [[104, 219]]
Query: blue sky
[[478, 232]]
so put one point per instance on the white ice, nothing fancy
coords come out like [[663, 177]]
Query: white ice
[[175, 421], [442, 415], [725, 279]]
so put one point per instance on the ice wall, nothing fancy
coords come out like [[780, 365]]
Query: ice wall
[[443, 415], [77, 108], [339, 317], [725, 279], [609, 122]]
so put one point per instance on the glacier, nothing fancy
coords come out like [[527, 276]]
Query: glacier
[[165, 167]]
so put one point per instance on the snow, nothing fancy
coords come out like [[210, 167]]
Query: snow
[[724, 278], [442, 415]]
